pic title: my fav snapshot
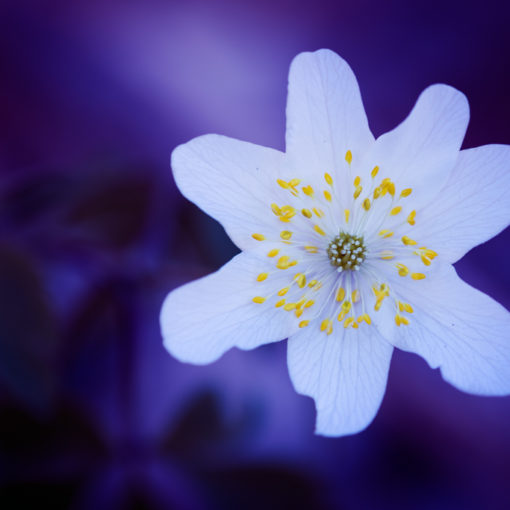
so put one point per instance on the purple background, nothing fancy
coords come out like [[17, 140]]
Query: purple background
[[94, 414]]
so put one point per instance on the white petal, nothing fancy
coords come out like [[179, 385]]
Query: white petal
[[232, 181], [461, 330], [325, 114], [345, 372], [473, 206], [205, 318], [421, 151]]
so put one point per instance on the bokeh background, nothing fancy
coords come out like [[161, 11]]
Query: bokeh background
[[94, 414]]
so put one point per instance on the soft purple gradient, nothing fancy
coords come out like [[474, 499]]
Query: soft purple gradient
[[94, 413]]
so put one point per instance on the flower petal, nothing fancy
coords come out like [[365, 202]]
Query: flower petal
[[421, 151], [232, 181], [462, 331], [325, 114], [205, 318], [472, 207], [345, 372]]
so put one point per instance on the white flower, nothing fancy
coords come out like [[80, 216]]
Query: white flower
[[347, 244]]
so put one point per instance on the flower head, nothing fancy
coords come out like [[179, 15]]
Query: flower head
[[347, 244]]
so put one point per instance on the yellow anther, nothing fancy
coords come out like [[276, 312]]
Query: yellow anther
[[309, 303], [366, 204], [408, 308], [417, 276], [348, 322], [355, 325], [317, 286], [346, 306], [273, 252], [374, 172], [318, 212], [298, 312], [391, 189], [286, 213], [324, 324], [408, 241], [283, 184], [398, 319], [286, 234], [360, 319], [262, 276], [357, 181], [283, 262], [400, 306], [289, 307], [330, 328], [395, 210], [280, 303], [355, 296], [402, 270], [292, 263], [311, 249], [425, 260], [340, 295], [258, 237], [276, 209], [301, 281], [378, 304], [367, 318], [348, 157], [303, 324], [347, 213], [283, 291], [406, 192], [387, 255], [357, 192], [328, 179], [385, 289], [341, 315], [327, 195], [294, 182], [386, 233], [319, 230], [308, 190], [404, 320], [258, 299], [377, 193], [306, 213], [301, 302], [431, 254], [411, 218], [312, 283]]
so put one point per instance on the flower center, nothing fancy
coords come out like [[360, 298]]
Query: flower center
[[347, 251]]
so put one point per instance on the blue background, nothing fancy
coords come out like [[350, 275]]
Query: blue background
[[94, 414]]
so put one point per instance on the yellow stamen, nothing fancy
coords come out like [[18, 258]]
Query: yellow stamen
[[417, 276], [311, 249], [273, 252], [404, 320], [357, 192], [309, 303], [262, 276], [306, 213], [348, 322], [294, 182], [348, 157], [301, 281], [318, 212], [327, 195], [408, 241], [324, 324], [357, 181], [346, 306], [377, 193], [397, 319], [355, 296], [283, 291], [298, 312], [387, 255], [283, 262], [366, 204], [347, 213], [286, 234], [328, 179], [308, 190], [395, 210], [289, 307], [406, 192], [319, 230], [283, 184], [340, 295], [425, 260], [402, 270], [258, 237], [312, 283], [303, 324], [258, 299], [367, 318], [280, 303], [374, 172], [411, 218], [276, 209]]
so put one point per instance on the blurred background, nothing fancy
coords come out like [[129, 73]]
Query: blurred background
[[94, 414]]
